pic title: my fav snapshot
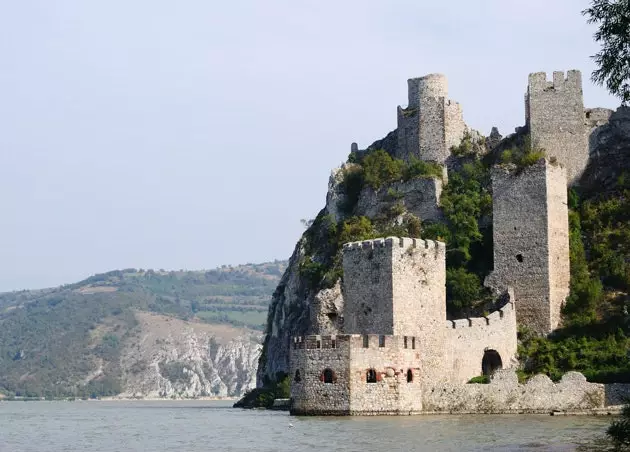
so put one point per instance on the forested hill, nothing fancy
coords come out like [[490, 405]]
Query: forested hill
[[69, 340]]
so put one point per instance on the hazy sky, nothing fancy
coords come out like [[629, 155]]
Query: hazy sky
[[194, 133]]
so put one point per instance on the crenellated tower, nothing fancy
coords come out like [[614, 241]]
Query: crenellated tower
[[431, 123], [554, 113]]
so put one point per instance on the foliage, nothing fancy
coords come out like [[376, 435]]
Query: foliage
[[280, 388], [469, 146], [481, 379], [463, 288], [613, 60], [619, 430], [419, 168], [352, 184], [380, 168]]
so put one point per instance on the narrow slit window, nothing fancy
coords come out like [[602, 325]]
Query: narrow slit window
[[333, 343], [366, 341], [381, 341], [319, 344], [405, 341], [413, 343]]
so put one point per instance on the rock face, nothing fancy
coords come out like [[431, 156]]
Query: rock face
[[177, 359]]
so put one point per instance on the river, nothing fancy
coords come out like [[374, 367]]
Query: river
[[191, 426]]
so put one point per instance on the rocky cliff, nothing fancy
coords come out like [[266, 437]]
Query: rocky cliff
[[167, 357]]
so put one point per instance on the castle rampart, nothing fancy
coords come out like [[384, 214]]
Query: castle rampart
[[531, 241], [482, 341], [554, 112]]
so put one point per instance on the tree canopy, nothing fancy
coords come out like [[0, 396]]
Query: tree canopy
[[613, 33]]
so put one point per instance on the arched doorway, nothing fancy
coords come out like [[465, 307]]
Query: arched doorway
[[370, 376], [491, 361]]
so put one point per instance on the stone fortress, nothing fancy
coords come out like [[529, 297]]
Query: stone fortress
[[396, 352]]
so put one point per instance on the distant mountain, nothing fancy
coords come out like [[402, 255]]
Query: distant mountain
[[133, 332]]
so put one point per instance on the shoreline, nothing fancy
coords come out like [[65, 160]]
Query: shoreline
[[120, 399]]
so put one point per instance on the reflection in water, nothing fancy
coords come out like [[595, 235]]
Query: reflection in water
[[203, 426]]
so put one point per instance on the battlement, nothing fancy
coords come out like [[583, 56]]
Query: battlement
[[394, 242], [572, 82], [490, 319], [354, 341]]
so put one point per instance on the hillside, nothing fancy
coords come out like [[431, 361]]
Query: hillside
[[98, 336]]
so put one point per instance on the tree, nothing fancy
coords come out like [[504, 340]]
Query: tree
[[613, 61]]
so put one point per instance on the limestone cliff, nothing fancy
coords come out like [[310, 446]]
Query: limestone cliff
[[167, 357]]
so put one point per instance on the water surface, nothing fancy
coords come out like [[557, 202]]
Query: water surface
[[214, 426]]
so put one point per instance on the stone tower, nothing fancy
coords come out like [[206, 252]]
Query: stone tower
[[397, 286], [431, 123], [554, 113], [531, 241]]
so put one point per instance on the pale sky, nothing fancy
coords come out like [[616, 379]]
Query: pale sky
[[195, 133]]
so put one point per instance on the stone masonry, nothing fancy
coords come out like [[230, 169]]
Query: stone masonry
[[431, 123], [396, 341], [531, 241], [554, 113]]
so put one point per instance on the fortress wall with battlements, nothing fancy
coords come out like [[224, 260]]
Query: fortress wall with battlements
[[556, 119], [526, 245], [394, 361], [309, 357], [470, 338]]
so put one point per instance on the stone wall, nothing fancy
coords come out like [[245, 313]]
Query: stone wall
[[531, 244], [505, 395], [309, 357], [389, 357], [469, 339], [555, 116]]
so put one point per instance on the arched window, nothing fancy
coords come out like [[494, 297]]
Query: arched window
[[297, 377], [491, 361], [409, 375], [370, 376], [329, 375]]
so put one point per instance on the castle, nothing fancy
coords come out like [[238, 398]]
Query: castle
[[397, 345]]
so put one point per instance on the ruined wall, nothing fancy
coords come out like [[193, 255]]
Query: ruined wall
[[505, 395], [555, 116], [309, 356], [469, 339], [431, 123], [528, 248]]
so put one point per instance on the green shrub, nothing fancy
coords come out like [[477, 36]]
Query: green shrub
[[419, 168], [463, 289], [380, 168], [352, 184], [355, 229], [481, 379]]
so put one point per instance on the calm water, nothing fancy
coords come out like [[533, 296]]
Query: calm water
[[214, 426]]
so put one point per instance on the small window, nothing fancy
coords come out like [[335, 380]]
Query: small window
[[370, 376], [409, 375], [329, 375], [297, 377], [405, 341], [366, 341], [519, 257], [319, 344], [381, 341], [333, 343], [294, 345], [413, 343]]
